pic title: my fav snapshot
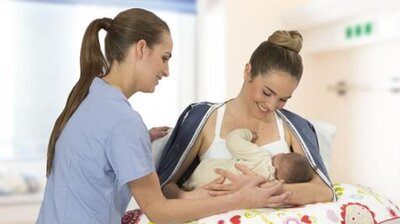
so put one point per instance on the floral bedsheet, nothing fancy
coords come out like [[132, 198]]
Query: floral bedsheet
[[356, 204]]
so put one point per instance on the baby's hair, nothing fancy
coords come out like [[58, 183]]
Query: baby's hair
[[296, 168]]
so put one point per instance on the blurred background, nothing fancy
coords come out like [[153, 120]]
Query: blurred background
[[351, 78]]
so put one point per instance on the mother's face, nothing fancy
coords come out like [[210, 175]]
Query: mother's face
[[268, 92]]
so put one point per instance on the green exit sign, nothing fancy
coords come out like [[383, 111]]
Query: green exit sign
[[358, 30]]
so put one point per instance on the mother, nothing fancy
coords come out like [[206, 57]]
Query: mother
[[270, 78]]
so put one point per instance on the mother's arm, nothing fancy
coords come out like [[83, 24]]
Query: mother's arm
[[305, 193], [203, 141], [311, 192], [171, 190]]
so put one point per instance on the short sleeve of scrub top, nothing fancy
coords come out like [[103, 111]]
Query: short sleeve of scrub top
[[128, 150]]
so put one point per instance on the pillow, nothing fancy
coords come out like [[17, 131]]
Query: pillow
[[157, 147], [326, 132], [356, 204]]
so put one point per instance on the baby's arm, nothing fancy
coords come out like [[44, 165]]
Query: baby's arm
[[239, 144]]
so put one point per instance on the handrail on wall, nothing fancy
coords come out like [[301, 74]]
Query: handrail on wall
[[342, 87]]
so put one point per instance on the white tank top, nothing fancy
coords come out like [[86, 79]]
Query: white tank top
[[218, 149]]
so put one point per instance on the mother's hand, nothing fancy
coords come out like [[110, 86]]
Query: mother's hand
[[244, 182], [237, 181], [203, 191]]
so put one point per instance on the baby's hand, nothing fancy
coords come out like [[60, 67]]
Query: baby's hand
[[255, 136]]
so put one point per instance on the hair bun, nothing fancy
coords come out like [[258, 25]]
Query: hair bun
[[288, 39]]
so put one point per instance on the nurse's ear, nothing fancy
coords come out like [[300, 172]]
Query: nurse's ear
[[139, 49], [247, 72]]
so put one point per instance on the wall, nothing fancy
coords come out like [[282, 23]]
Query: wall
[[247, 24], [210, 51], [366, 148]]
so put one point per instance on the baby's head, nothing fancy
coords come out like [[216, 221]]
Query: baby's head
[[292, 168]]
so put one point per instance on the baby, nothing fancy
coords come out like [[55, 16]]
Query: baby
[[290, 167]]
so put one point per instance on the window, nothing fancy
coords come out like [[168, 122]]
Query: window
[[39, 64]]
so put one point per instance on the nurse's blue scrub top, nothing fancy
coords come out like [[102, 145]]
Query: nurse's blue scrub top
[[104, 145]]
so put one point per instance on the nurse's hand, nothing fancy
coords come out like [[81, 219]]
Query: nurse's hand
[[256, 196], [158, 132]]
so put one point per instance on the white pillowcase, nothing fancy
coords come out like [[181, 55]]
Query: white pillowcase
[[326, 133], [157, 147]]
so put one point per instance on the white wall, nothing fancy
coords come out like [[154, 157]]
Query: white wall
[[366, 149], [210, 39], [248, 23]]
